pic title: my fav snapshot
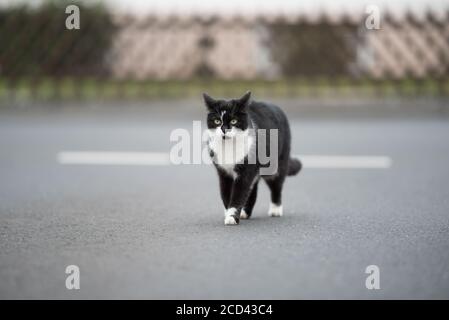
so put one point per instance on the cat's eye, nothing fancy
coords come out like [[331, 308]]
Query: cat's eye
[[216, 121], [233, 121]]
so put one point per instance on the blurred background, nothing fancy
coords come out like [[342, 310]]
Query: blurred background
[[149, 50]]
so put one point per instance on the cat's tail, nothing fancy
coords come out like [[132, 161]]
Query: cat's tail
[[294, 166]]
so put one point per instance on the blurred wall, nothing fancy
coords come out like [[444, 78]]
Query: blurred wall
[[181, 47]]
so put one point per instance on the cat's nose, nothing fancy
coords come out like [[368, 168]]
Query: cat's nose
[[225, 130]]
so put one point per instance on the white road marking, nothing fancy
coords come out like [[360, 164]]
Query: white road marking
[[114, 158], [161, 159], [345, 162]]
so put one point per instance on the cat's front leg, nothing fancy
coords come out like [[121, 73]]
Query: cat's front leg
[[226, 182], [240, 193]]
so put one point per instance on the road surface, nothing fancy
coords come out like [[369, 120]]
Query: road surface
[[156, 231]]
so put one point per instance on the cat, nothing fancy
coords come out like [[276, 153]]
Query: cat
[[232, 141]]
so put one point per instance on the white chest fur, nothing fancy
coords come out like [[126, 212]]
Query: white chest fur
[[230, 151]]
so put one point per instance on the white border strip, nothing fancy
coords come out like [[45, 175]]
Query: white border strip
[[162, 159]]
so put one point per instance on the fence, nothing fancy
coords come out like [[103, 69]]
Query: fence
[[153, 57]]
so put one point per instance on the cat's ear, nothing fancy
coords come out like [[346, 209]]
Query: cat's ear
[[243, 102], [209, 101]]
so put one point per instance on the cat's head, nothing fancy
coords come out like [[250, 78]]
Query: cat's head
[[227, 118]]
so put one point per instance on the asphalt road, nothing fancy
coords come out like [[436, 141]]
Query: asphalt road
[[157, 231]]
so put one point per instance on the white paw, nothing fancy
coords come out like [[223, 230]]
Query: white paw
[[243, 215], [275, 210], [230, 215], [230, 220]]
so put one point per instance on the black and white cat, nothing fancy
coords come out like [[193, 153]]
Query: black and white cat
[[232, 126]]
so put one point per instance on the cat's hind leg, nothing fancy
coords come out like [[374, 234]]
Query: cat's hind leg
[[275, 185]]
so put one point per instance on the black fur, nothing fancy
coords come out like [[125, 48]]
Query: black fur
[[241, 191], [294, 166]]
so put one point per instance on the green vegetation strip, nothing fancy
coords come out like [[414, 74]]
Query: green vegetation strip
[[44, 89]]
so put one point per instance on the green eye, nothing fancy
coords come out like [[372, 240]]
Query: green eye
[[233, 121], [216, 121]]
